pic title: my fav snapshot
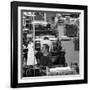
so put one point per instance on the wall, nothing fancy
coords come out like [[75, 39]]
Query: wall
[[5, 45]]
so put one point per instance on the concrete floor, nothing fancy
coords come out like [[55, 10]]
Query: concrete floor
[[71, 54]]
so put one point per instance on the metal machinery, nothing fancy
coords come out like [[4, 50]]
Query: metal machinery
[[57, 54]]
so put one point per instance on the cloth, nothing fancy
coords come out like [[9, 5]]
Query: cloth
[[31, 60], [45, 61], [60, 28]]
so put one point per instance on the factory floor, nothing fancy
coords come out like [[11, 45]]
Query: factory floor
[[71, 55]]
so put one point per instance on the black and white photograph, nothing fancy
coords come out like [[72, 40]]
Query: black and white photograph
[[50, 44]]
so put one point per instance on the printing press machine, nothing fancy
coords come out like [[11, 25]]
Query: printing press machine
[[57, 56], [31, 71]]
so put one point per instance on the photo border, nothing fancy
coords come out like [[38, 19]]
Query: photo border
[[14, 43]]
